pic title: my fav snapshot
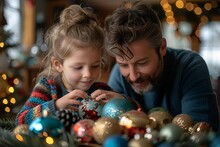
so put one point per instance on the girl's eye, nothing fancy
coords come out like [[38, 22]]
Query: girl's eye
[[77, 68]]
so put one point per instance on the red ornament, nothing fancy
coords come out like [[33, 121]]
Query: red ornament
[[82, 130], [90, 109]]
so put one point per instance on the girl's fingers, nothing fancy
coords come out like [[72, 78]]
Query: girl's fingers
[[77, 93], [71, 107]]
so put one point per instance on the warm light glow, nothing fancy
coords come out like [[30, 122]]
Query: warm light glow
[[13, 100], [208, 6], [169, 14], [49, 140], [197, 33], [2, 44], [198, 11], [179, 4], [45, 134], [11, 89], [166, 6], [5, 101], [16, 81], [204, 19], [4, 76], [189, 6], [7, 109], [214, 4], [162, 2], [19, 137]]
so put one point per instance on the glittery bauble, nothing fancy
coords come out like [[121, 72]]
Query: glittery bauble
[[90, 109], [105, 127], [67, 117], [49, 126], [202, 127], [82, 130], [115, 107], [159, 119], [170, 133], [152, 135], [184, 121], [200, 139], [115, 141], [215, 142], [133, 122], [21, 129], [157, 109], [140, 142]]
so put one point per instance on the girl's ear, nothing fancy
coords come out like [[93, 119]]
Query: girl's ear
[[163, 47], [57, 64]]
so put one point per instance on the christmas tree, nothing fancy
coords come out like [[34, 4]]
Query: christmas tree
[[10, 78]]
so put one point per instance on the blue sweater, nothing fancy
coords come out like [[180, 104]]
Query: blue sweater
[[184, 88]]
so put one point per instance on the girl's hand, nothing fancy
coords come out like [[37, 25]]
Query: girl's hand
[[69, 101], [105, 95]]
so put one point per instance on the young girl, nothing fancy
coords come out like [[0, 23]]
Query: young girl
[[72, 65]]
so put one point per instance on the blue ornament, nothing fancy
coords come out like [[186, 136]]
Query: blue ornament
[[52, 126], [115, 141], [215, 142], [115, 107]]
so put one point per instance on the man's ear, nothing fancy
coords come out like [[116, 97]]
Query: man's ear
[[163, 47], [58, 66]]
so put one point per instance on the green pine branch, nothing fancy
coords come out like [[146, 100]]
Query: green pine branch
[[7, 123]]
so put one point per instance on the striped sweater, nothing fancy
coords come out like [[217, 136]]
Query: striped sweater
[[43, 96]]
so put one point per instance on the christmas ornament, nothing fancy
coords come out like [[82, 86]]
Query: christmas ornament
[[157, 109], [170, 133], [46, 126], [184, 121], [200, 139], [21, 129], [202, 127], [82, 130], [215, 142], [159, 119], [115, 141], [90, 109], [67, 117], [140, 142], [133, 122], [152, 135], [105, 127], [115, 107], [167, 144]]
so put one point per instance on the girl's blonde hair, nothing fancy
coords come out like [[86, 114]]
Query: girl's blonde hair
[[77, 27]]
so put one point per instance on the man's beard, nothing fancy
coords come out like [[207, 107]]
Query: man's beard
[[152, 80]]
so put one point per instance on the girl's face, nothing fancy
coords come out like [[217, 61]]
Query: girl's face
[[81, 69]]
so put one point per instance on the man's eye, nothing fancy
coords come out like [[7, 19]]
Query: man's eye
[[95, 66], [123, 65], [142, 63]]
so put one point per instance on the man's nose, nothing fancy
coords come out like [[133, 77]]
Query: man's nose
[[133, 74]]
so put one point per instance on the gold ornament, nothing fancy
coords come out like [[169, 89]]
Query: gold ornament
[[21, 129], [184, 121], [159, 119], [202, 127], [105, 127], [134, 118], [141, 142]]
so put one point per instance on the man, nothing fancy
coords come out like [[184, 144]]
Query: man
[[151, 73]]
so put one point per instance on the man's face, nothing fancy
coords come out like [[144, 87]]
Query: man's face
[[144, 69]]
